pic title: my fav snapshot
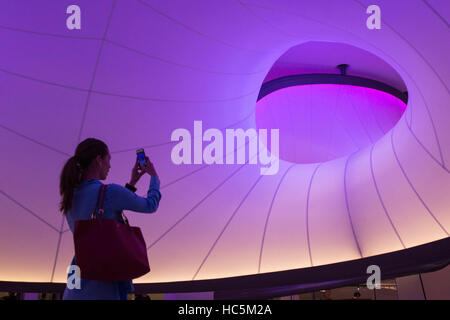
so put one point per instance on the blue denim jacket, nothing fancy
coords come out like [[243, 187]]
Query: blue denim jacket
[[117, 198]]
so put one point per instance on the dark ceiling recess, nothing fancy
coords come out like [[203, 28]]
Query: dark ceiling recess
[[325, 78], [324, 57]]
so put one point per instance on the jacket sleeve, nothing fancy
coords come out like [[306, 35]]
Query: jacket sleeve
[[125, 199]]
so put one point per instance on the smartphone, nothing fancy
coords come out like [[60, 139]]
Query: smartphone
[[142, 160]]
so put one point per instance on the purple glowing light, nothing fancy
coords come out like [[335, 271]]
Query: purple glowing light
[[321, 122]]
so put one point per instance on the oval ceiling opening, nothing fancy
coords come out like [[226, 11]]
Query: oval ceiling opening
[[323, 113]]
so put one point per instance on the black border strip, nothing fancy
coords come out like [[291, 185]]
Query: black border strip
[[326, 78], [420, 259]]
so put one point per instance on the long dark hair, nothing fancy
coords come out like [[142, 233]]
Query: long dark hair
[[72, 172]]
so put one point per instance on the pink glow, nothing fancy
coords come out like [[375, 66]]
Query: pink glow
[[321, 122]]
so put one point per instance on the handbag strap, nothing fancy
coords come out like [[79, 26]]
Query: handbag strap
[[102, 188], [100, 211]]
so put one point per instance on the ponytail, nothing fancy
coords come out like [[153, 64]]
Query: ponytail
[[70, 178], [72, 171]]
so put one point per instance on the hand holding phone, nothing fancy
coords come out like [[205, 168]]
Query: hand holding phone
[[144, 163]]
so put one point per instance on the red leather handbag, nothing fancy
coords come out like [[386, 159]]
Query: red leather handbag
[[108, 250]]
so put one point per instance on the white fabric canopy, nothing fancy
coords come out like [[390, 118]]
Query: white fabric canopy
[[138, 70]]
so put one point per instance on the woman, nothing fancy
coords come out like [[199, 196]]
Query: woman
[[79, 186]]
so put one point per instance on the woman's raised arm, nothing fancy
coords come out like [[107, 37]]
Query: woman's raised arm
[[125, 199]]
